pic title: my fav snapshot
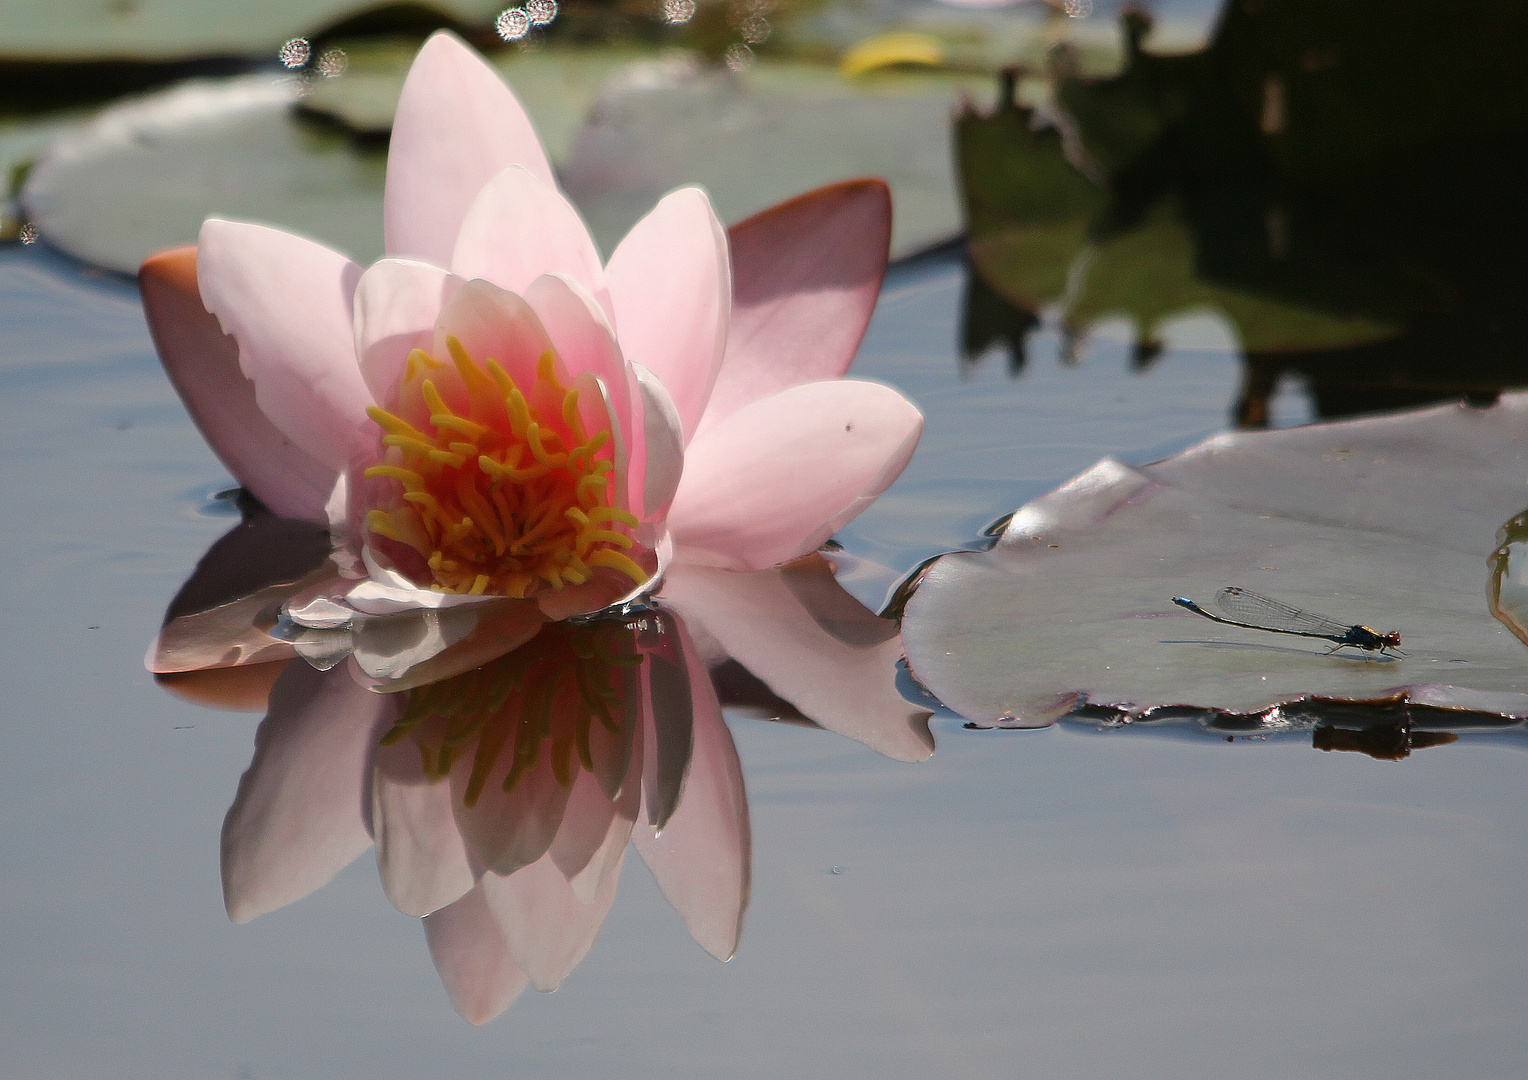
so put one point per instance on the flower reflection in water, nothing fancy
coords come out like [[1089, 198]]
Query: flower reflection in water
[[502, 785]]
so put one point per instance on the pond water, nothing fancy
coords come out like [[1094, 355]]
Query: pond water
[[1061, 902], [1288, 226]]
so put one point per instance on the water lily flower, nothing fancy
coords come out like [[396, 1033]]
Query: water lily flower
[[489, 412], [489, 431]]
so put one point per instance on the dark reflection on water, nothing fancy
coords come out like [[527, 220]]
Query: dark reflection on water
[[1387, 730], [1341, 181]]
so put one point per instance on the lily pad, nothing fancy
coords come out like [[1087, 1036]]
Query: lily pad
[[754, 139], [143, 175], [556, 86], [627, 130], [176, 29], [1387, 522]]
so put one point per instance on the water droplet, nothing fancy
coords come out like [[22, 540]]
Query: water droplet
[[739, 57], [295, 53], [541, 11], [838, 870], [332, 63], [676, 12], [755, 29], [512, 24]]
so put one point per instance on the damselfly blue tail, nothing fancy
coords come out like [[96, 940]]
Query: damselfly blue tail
[[1254, 611]]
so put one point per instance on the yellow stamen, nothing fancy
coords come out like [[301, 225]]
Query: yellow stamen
[[616, 561], [495, 495]]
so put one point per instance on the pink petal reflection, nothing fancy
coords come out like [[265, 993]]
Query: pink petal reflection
[[300, 814], [505, 831], [472, 959], [421, 856], [812, 644], [547, 928], [702, 858]]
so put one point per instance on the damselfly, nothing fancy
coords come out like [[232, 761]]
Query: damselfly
[[1258, 612]]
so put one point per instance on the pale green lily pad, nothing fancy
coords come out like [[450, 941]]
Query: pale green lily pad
[[1388, 522], [557, 87], [143, 174], [627, 130], [71, 30], [755, 139]]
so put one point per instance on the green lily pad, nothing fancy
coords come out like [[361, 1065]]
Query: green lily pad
[[1386, 522], [557, 87], [74, 30], [143, 174], [757, 138], [627, 130]]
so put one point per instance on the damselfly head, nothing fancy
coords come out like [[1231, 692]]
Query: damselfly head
[[1372, 640]]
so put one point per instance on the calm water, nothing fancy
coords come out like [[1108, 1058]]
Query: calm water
[[1055, 903]]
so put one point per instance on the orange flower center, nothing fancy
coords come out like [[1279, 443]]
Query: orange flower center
[[500, 491]]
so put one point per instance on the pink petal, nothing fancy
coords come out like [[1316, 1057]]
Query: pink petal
[[456, 126], [230, 635], [663, 443], [812, 644], [300, 814], [805, 277], [520, 227], [493, 324], [670, 283], [286, 301], [203, 365], [605, 588], [396, 304], [702, 858], [780, 476], [581, 332], [472, 959], [420, 854], [547, 928]]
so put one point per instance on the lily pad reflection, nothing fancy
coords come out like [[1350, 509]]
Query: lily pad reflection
[[1339, 189]]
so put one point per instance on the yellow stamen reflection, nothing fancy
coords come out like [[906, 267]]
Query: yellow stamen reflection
[[548, 696]]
